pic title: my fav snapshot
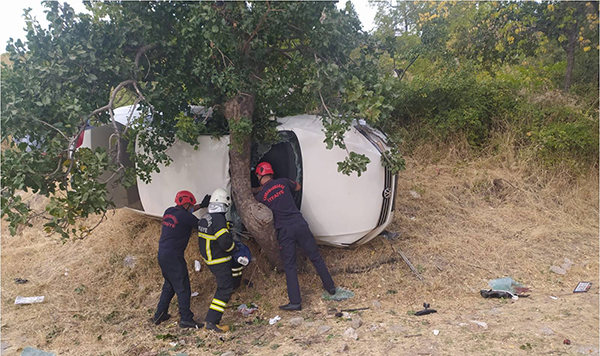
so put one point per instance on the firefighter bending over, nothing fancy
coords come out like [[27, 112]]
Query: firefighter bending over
[[217, 247]]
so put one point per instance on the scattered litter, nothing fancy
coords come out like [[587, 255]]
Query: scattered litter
[[66, 271], [436, 332], [499, 294], [415, 194], [355, 309], [20, 280], [350, 333], [508, 284], [195, 294], [558, 270], [567, 342], [426, 310], [567, 264], [582, 287], [30, 351], [129, 261], [340, 294], [197, 266], [246, 310], [389, 235], [553, 297], [481, 324], [274, 320], [173, 343], [29, 300], [344, 315]]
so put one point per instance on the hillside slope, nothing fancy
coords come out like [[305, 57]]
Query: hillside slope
[[461, 223]]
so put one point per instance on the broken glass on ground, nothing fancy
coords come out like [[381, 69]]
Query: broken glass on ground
[[340, 294]]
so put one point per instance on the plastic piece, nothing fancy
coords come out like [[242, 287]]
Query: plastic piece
[[197, 266], [274, 319], [29, 300], [507, 284], [582, 287], [246, 310]]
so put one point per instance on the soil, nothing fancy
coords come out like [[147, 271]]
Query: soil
[[470, 222]]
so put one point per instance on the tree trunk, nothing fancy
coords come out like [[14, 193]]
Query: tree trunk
[[257, 218], [570, 49]]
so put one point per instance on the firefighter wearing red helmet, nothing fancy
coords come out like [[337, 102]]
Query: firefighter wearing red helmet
[[292, 230], [177, 224]]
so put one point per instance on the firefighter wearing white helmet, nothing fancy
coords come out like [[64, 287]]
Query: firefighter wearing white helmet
[[217, 247]]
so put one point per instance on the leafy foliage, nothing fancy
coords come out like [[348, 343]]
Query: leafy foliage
[[290, 57]]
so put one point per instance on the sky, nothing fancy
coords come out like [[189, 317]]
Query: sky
[[12, 22]]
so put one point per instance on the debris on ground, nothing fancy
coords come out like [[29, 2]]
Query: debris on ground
[[582, 287], [31, 351], [389, 235], [490, 293], [567, 342], [340, 294], [355, 309], [414, 194], [129, 261], [29, 300], [553, 297], [426, 310], [274, 319], [567, 264], [481, 324], [436, 332], [507, 284], [195, 294], [197, 266], [246, 310], [20, 280], [350, 333], [558, 270]]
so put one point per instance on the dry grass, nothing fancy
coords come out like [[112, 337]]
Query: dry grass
[[476, 219]]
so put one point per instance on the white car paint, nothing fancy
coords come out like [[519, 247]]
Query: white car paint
[[341, 210]]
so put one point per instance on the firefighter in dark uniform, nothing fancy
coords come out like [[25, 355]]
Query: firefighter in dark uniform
[[217, 247], [177, 224], [292, 230]]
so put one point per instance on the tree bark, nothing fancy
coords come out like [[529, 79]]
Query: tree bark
[[257, 218], [570, 49]]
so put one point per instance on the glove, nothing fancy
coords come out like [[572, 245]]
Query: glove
[[205, 201]]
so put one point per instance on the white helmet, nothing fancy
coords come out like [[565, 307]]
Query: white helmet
[[220, 196]]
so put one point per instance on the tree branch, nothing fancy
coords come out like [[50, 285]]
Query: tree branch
[[260, 23], [405, 69]]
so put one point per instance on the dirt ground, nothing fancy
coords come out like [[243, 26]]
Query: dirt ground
[[461, 223]]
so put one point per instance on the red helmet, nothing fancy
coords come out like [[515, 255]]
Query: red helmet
[[264, 168], [184, 196]]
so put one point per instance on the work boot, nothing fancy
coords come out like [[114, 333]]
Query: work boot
[[217, 328], [291, 306], [190, 324], [332, 291], [156, 320]]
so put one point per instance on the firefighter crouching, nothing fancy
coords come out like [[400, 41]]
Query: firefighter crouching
[[217, 247]]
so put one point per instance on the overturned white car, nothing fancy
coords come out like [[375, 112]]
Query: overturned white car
[[341, 210]]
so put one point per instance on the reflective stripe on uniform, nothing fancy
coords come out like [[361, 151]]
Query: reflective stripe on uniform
[[231, 248], [218, 260], [219, 302], [236, 274], [207, 236], [217, 308], [235, 269], [208, 251], [221, 232]]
